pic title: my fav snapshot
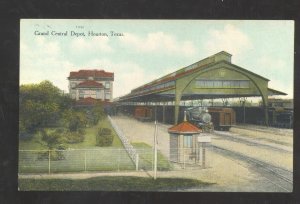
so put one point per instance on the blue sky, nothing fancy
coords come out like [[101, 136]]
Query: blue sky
[[150, 49]]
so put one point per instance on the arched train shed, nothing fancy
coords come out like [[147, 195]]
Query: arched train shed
[[211, 78]]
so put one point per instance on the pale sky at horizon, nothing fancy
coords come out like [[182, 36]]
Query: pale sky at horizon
[[150, 49]]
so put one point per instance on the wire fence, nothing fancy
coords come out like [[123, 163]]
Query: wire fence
[[107, 159], [128, 147]]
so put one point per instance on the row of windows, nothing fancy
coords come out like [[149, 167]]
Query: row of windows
[[222, 83], [157, 87], [107, 84], [82, 93]]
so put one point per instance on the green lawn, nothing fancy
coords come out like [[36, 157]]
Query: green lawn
[[89, 140], [146, 158], [84, 156], [116, 183]]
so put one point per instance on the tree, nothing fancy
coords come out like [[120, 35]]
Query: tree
[[97, 113], [41, 105]]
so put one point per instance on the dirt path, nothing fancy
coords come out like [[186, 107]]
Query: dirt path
[[137, 131]]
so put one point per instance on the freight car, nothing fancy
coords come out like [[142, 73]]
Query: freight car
[[222, 118], [143, 113], [280, 117]]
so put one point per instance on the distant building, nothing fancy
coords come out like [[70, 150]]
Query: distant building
[[91, 84], [281, 103]]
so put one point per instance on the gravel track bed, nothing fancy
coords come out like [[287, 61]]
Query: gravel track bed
[[230, 174], [280, 177]]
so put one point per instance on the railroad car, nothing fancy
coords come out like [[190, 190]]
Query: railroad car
[[143, 113], [280, 117], [222, 118]]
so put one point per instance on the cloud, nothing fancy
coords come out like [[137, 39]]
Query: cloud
[[229, 39], [276, 69], [128, 75], [286, 87], [159, 42], [91, 45], [44, 61]]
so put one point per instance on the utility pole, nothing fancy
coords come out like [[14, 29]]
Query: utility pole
[[155, 151], [155, 147]]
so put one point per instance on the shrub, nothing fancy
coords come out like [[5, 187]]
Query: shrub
[[74, 137], [104, 137], [55, 155], [52, 139], [23, 133]]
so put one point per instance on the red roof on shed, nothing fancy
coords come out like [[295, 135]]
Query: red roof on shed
[[90, 73], [184, 127], [90, 83]]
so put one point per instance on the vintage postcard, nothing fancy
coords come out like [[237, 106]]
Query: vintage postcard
[[156, 105]]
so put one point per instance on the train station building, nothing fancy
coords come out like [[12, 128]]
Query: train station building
[[214, 77]]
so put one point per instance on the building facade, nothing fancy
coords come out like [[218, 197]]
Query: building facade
[[96, 84]]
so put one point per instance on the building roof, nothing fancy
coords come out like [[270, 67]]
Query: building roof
[[90, 84], [184, 128], [86, 101], [89, 101], [272, 92], [91, 73]]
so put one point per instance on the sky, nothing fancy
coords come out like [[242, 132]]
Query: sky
[[144, 50]]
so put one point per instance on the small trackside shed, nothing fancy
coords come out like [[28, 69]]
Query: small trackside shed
[[184, 142]]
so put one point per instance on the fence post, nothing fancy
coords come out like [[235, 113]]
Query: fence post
[[49, 158], [136, 162], [119, 159], [183, 158], [203, 154], [84, 160]]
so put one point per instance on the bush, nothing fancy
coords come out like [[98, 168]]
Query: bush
[[74, 137], [104, 137], [54, 155], [23, 133], [52, 139]]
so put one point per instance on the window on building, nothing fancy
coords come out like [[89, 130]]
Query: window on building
[[81, 94], [187, 141], [73, 84], [98, 96], [203, 83], [107, 95], [107, 85]]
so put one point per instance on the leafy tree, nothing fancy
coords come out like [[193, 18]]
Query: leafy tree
[[41, 105], [98, 112]]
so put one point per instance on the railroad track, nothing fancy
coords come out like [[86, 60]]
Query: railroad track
[[233, 138], [269, 130], [280, 177]]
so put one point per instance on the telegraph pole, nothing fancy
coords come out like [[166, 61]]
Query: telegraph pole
[[155, 148]]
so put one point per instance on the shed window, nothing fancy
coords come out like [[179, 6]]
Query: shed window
[[187, 140]]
